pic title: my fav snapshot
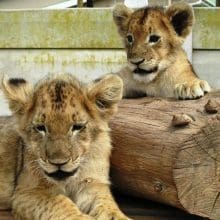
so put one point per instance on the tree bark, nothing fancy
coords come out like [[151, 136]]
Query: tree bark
[[169, 151]]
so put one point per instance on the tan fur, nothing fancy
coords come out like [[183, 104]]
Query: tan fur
[[157, 64], [59, 124]]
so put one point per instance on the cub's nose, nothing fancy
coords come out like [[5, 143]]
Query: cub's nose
[[59, 161], [137, 61]]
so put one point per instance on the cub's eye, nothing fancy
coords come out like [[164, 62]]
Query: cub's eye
[[130, 39], [40, 128], [154, 38], [78, 127]]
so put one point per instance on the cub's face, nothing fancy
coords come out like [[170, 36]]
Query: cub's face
[[152, 37], [60, 120], [60, 128]]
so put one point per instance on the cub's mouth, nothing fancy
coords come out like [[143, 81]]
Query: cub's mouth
[[144, 72], [61, 175]]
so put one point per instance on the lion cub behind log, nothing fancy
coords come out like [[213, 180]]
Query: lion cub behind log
[[158, 65], [54, 150]]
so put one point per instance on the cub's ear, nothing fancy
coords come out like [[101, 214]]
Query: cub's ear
[[19, 94], [181, 17], [121, 16], [105, 93]]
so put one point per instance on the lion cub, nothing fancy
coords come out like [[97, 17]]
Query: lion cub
[[54, 150], [158, 65]]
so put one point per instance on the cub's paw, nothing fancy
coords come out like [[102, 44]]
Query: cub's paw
[[85, 217], [108, 214], [111, 216], [191, 90], [72, 217]]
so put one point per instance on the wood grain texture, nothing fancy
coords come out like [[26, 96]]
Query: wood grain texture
[[5, 215], [177, 165]]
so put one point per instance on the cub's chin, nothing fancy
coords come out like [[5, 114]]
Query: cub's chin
[[60, 175], [146, 78]]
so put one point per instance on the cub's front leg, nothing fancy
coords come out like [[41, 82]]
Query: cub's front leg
[[96, 200], [192, 89], [39, 205]]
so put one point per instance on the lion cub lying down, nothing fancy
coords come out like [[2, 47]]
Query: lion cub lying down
[[54, 150], [158, 65]]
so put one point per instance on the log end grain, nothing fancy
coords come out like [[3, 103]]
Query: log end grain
[[197, 172]]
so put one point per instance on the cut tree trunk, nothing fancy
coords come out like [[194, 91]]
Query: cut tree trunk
[[169, 151]]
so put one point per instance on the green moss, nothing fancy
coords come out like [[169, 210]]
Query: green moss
[[72, 28], [206, 33], [86, 28]]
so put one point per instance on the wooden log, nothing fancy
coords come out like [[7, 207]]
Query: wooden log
[[169, 151]]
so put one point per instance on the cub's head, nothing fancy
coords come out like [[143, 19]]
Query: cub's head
[[152, 36], [61, 120]]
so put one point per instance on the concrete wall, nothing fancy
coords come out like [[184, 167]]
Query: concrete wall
[[35, 64]]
